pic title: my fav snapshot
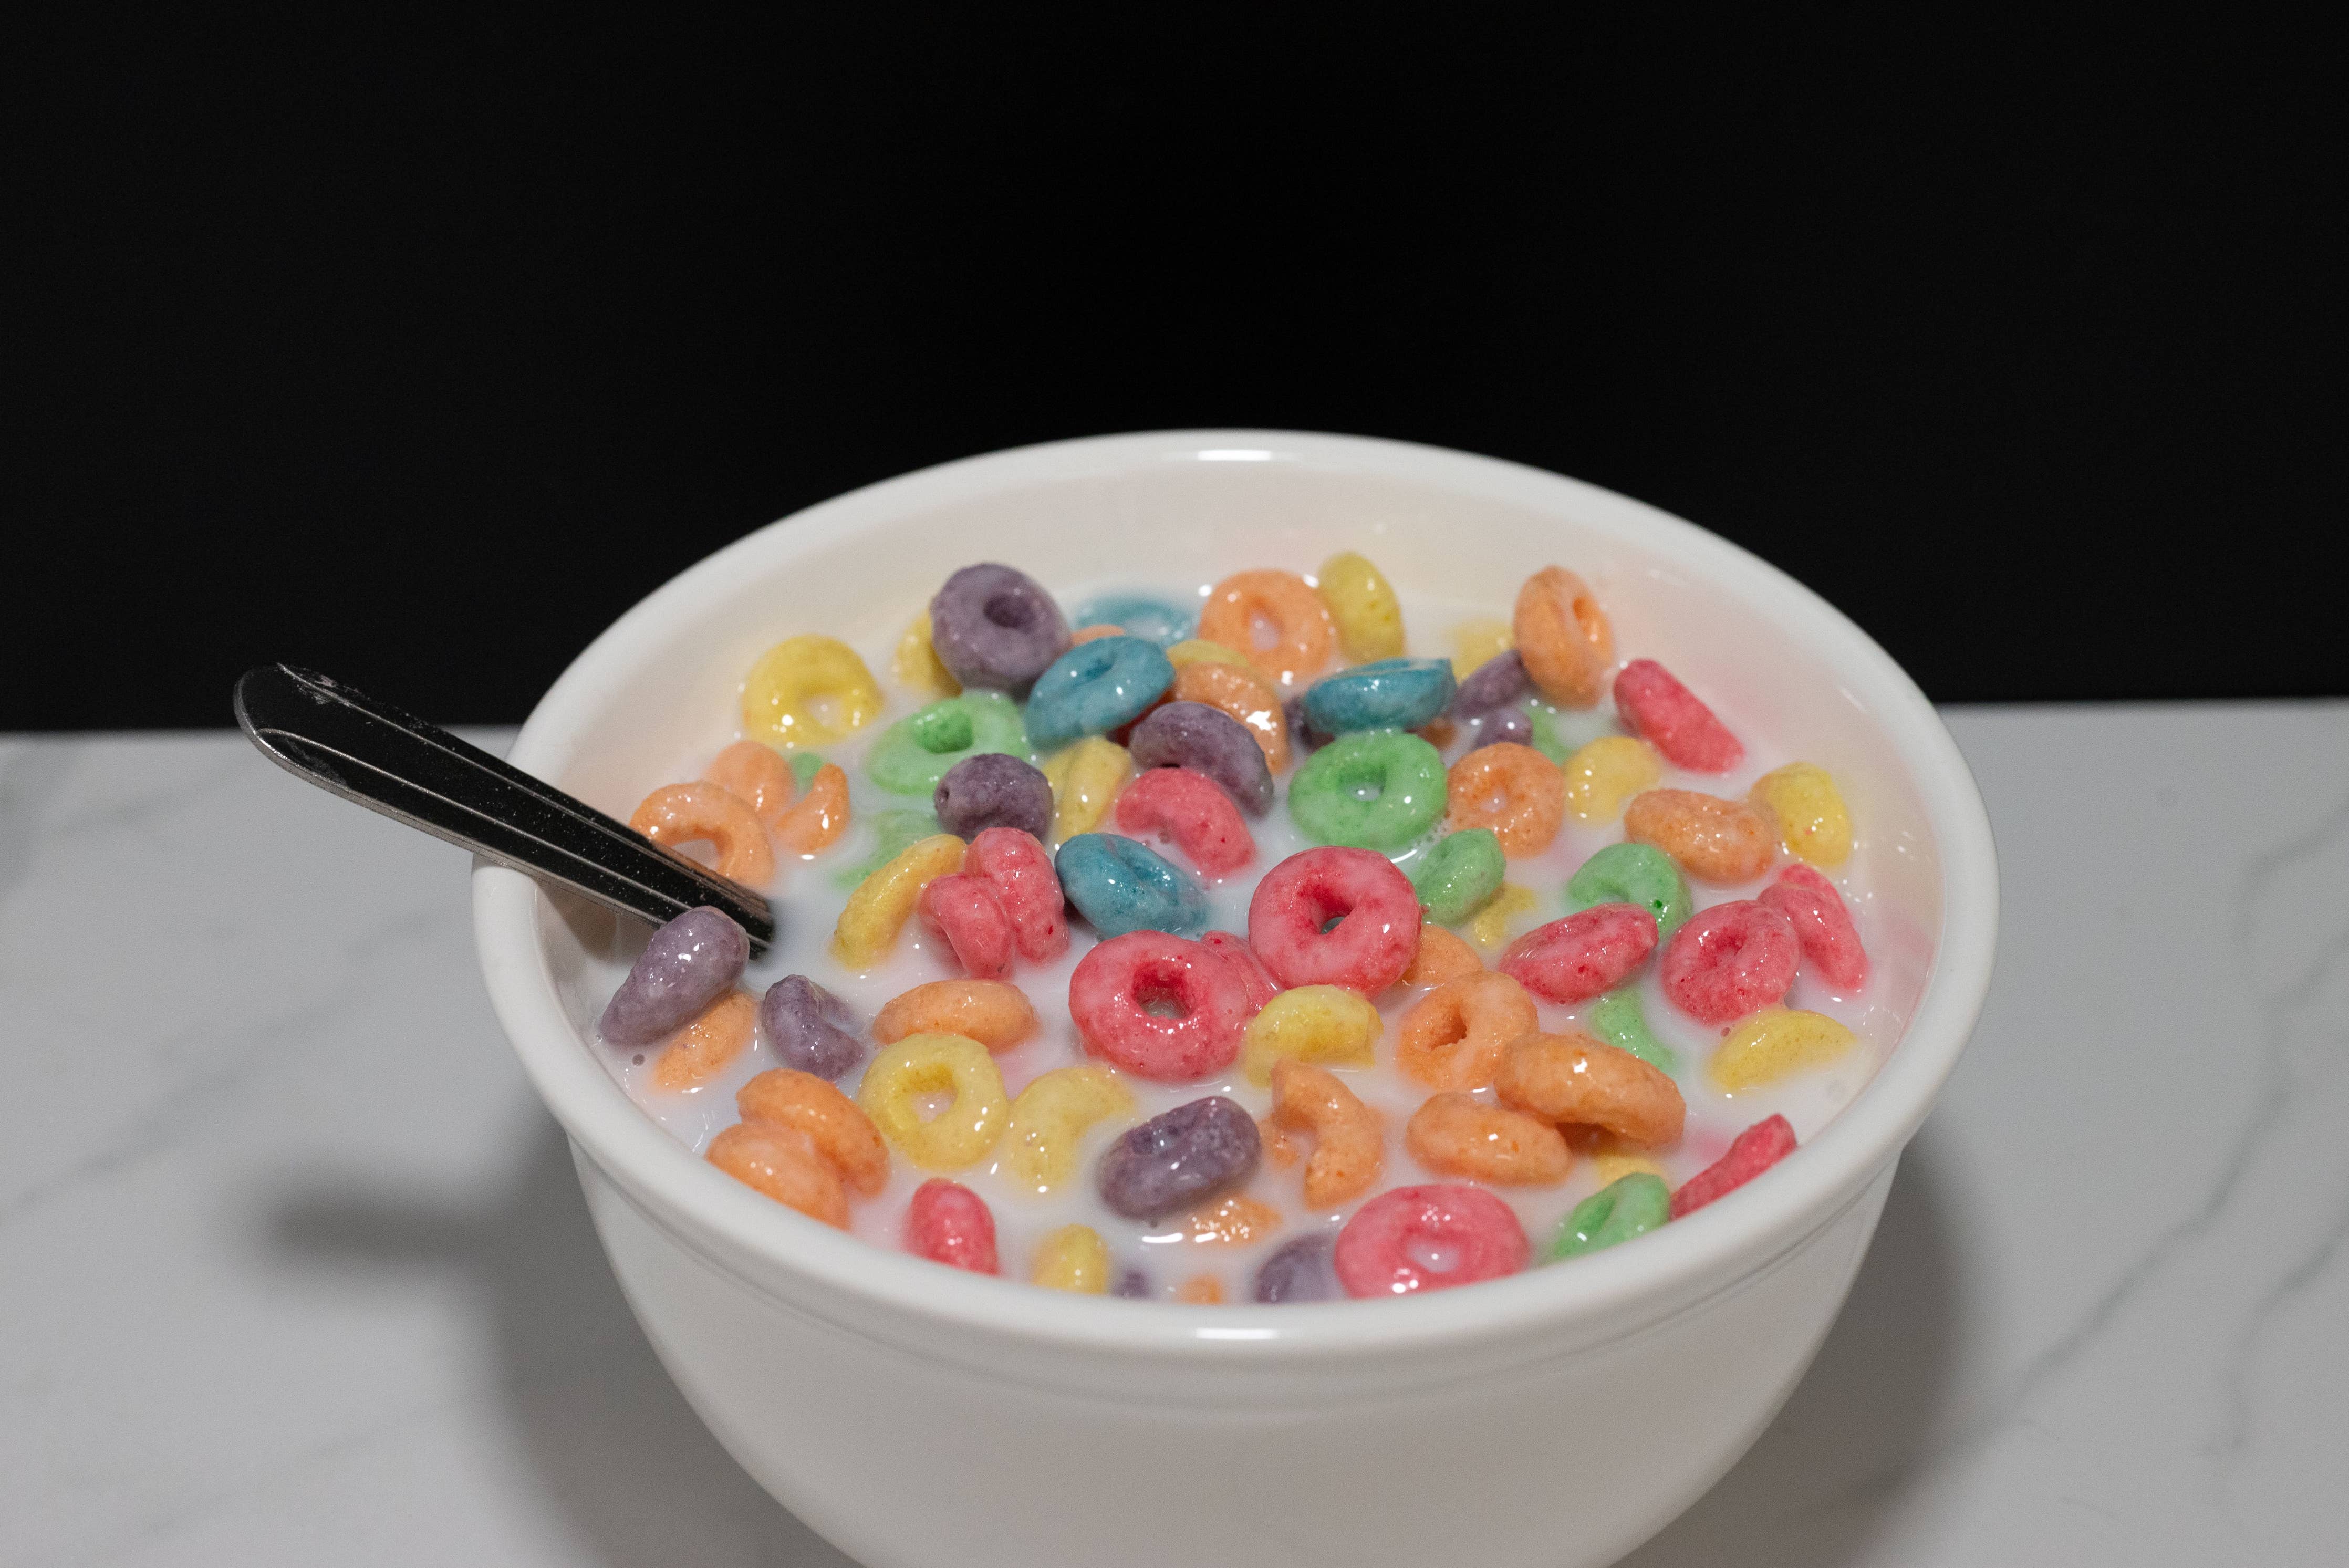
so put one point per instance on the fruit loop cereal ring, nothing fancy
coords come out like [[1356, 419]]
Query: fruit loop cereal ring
[[1085, 778], [844, 1135], [1122, 886], [1753, 1151], [1115, 986], [1776, 1042], [1802, 800], [1193, 811], [1391, 694], [1093, 633], [1153, 620], [1583, 955], [1307, 738], [808, 691], [1299, 1271], [1612, 1160], [1638, 874], [1199, 650], [756, 776], [1729, 961], [1274, 619], [1200, 1290], [993, 790], [1601, 776], [1477, 643], [1379, 790], [923, 1064], [1574, 1080], [1210, 743], [711, 1040], [913, 753], [893, 833], [1236, 951], [1072, 1258], [1232, 1221], [1239, 692], [1441, 956], [1095, 687], [808, 1028], [1655, 704], [1459, 876], [1629, 1206], [1491, 926], [1179, 1158], [1381, 1250], [820, 817], [1498, 682], [1348, 1138], [688, 964], [1563, 636], [916, 663], [990, 1012], [1131, 1285], [1456, 1135], [1362, 608], [1455, 1035], [1514, 790], [879, 907], [781, 1164], [996, 627], [1310, 1023], [1050, 1118], [1374, 906], [1830, 942], [1715, 840], [703, 813], [948, 1223], [1618, 1020], [962, 912], [1504, 726], [1016, 868]]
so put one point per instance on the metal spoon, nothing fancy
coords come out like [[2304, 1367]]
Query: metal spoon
[[418, 774]]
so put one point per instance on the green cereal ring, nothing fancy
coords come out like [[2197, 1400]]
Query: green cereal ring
[[913, 753], [1460, 874], [1632, 874], [1631, 1207], [1618, 1019], [892, 832], [1547, 740], [1376, 789], [806, 765]]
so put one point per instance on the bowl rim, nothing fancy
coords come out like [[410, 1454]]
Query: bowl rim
[[1715, 1248]]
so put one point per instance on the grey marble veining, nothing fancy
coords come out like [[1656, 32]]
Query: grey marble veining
[[293, 1268]]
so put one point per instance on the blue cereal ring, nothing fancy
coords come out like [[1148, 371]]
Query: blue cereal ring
[[1093, 688], [1386, 695], [1120, 886], [1153, 621]]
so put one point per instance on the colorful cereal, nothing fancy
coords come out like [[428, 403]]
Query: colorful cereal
[[1628, 1207], [948, 1223], [993, 789], [882, 903], [1151, 619], [705, 813], [916, 663], [820, 816], [1564, 638], [1776, 1042], [781, 1164], [1389, 694], [1460, 874], [1193, 811], [1715, 840], [1017, 869], [1478, 642], [997, 628], [1335, 917], [1348, 1138], [1121, 885], [756, 776], [920, 1065], [1210, 743], [1583, 955], [721, 1033], [1603, 776], [995, 1014], [1236, 951], [688, 964], [1442, 956], [1656, 705], [1638, 874], [1299, 1271], [1454, 1134], [808, 691], [1179, 1158], [1273, 618], [963, 913], [1378, 790], [1729, 961], [1095, 687], [1239, 692], [1085, 778], [1753, 1151], [1158, 1006], [831, 1122], [1618, 1019], [1384, 1248], [1514, 790], [1830, 942], [1362, 608], [1310, 1023], [808, 1028], [1455, 1035], [1572, 1079], [913, 753], [1802, 800], [1072, 1258], [1051, 1117]]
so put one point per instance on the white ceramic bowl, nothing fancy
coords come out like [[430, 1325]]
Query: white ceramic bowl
[[922, 1418]]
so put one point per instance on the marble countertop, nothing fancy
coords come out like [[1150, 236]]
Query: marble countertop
[[292, 1267]]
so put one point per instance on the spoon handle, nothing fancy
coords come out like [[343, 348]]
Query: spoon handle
[[419, 774]]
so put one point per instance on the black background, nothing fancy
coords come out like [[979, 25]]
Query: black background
[[416, 357]]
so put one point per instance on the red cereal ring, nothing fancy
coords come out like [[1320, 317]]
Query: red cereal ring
[[1241, 956], [1115, 986], [1388, 1247], [1018, 871], [1375, 908], [1753, 1151], [948, 1223], [1674, 719], [963, 911], [1730, 960], [1191, 809], [1830, 942], [1583, 955]]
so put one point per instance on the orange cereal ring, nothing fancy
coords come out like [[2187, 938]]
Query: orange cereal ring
[[1238, 691], [820, 817], [689, 813], [1514, 790], [756, 776], [1455, 1037], [1714, 840], [1442, 956], [703, 1047], [783, 1165], [1200, 1290], [1232, 1221], [1094, 634], [1295, 623], [1571, 1078], [1348, 1138], [995, 1012], [1564, 638], [1458, 1134], [834, 1125]]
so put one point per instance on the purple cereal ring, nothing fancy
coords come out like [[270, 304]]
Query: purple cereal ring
[[1499, 681], [1178, 1158], [1207, 740], [810, 1029], [997, 628], [690, 963], [1509, 723], [1299, 1272], [993, 789]]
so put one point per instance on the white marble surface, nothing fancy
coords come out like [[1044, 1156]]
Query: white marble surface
[[293, 1268]]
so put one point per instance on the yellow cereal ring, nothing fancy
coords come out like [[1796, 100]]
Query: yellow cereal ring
[[1348, 1138], [756, 776], [704, 813], [1085, 779], [703, 1048], [1454, 1134], [1477, 643], [1611, 1162], [1049, 1118], [1491, 926], [1199, 650], [995, 1012], [882, 903], [922, 1064], [784, 1166], [1802, 800], [916, 664], [808, 691], [1774, 1043], [1605, 773], [841, 1133], [1310, 1023], [1363, 608], [1072, 1258], [1442, 956], [1564, 638], [1232, 1221]]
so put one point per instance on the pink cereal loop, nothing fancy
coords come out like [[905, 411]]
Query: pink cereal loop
[[1374, 904], [1236, 951], [1674, 719], [1020, 872], [1583, 955], [1379, 1251], [1729, 961], [1115, 986], [1191, 810], [1831, 943], [962, 912]]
